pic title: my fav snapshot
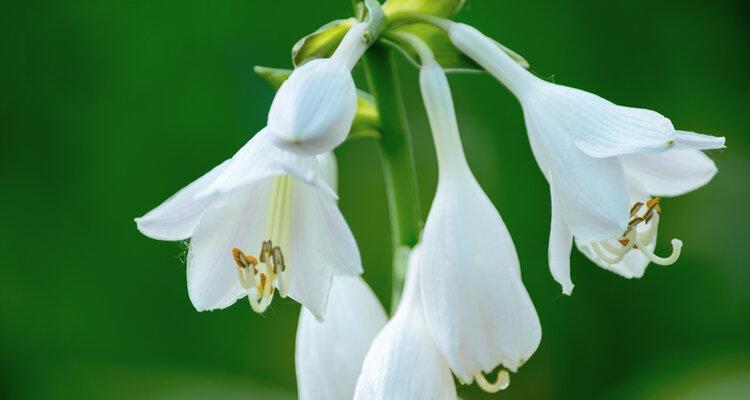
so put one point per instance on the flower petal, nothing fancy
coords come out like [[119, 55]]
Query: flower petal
[[260, 159], [329, 354], [671, 173], [314, 109], [177, 217], [591, 192], [560, 243], [697, 141], [322, 246], [476, 305], [403, 362], [240, 222]]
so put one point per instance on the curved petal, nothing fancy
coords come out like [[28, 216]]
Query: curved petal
[[598, 127], [591, 192], [403, 362], [671, 173], [260, 159], [177, 217], [240, 222], [475, 303], [329, 354], [322, 246], [560, 244], [314, 109], [697, 141]]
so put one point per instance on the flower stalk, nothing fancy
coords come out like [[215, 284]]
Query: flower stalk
[[398, 161]]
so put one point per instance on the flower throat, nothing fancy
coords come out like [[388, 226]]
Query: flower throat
[[260, 276]]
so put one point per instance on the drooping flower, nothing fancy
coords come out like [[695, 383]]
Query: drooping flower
[[403, 361], [475, 303], [329, 353], [313, 110], [265, 220], [595, 155]]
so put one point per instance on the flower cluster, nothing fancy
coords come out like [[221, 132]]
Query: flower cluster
[[267, 221]]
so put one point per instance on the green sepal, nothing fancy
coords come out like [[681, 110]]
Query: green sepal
[[321, 43], [438, 8], [366, 121]]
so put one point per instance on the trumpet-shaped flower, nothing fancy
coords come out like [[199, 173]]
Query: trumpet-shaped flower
[[329, 353], [313, 110], [263, 221], [475, 303], [403, 361], [595, 156]]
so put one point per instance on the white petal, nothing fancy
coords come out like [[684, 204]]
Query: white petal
[[598, 127], [314, 109], [486, 52], [177, 217], [260, 159], [591, 192], [560, 243], [479, 312], [329, 169], [240, 222], [671, 173], [329, 354], [321, 246], [697, 141], [403, 362]]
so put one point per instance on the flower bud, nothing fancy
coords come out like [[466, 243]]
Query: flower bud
[[313, 110]]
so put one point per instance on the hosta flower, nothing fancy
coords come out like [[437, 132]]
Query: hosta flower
[[475, 303], [313, 110], [263, 221], [403, 361], [595, 155], [329, 353]]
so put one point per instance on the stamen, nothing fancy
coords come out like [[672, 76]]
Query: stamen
[[676, 249], [631, 239], [502, 382]]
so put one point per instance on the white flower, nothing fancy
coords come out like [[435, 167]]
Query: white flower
[[594, 154], [475, 303], [403, 361], [261, 221], [313, 110], [329, 353]]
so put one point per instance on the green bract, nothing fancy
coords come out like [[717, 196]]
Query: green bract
[[366, 122], [438, 8], [321, 43]]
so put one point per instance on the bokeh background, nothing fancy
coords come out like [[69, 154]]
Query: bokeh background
[[109, 107]]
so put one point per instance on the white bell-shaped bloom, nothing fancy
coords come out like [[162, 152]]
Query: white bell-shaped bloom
[[590, 151], [475, 303], [313, 110], [265, 220], [403, 361], [329, 353]]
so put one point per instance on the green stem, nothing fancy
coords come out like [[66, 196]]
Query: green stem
[[398, 160]]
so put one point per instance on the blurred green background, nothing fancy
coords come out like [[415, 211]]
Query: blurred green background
[[112, 106]]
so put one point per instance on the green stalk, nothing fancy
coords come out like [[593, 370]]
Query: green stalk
[[398, 161]]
